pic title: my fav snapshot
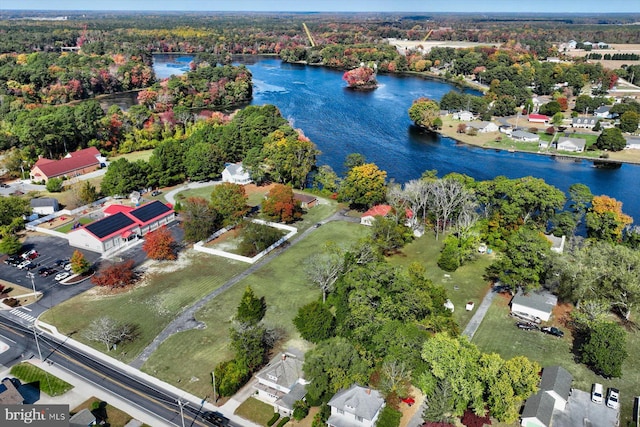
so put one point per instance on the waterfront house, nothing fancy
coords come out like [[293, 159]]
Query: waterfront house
[[574, 145], [521, 135], [464, 116], [633, 143], [236, 174], [483, 127]]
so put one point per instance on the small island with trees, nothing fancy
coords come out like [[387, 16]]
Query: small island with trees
[[361, 78]]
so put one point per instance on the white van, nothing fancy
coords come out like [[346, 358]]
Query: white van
[[596, 393]]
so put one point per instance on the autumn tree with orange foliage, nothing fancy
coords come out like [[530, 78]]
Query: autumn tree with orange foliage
[[605, 219], [280, 205], [115, 275], [160, 244], [361, 77]]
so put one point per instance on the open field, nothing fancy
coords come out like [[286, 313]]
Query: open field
[[283, 284], [134, 156], [613, 48], [150, 305], [47, 383], [117, 418], [463, 285], [548, 350]]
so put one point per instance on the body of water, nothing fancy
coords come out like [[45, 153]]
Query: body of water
[[376, 124]]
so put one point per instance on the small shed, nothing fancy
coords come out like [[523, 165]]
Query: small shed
[[44, 205], [306, 201], [538, 304]]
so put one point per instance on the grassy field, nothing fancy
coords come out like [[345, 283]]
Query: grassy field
[[548, 350], [254, 410], [150, 306], [67, 227], [132, 157], [283, 284], [463, 285], [47, 383], [116, 417]]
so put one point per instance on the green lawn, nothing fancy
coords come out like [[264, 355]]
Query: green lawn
[[283, 284], [47, 383], [548, 350], [464, 285], [134, 156], [254, 410], [150, 306], [117, 418], [67, 227]]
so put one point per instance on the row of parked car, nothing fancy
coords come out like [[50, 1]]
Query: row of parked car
[[527, 322], [613, 396], [26, 261]]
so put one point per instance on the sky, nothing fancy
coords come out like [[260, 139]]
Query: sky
[[418, 6]]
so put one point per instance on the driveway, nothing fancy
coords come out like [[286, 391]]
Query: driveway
[[582, 412]]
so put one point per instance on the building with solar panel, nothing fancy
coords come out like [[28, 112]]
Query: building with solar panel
[[121, 226]]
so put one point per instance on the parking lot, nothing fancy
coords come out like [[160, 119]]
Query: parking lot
[[582, 412]]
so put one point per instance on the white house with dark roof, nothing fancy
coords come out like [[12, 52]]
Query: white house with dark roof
[[281, 383], [355, 406], [44, 205], [574, 145], [584, 122], [236, 174], [522, 135], [537, 304], [555, 389], [603, 111], [114, 231], [465, 116]]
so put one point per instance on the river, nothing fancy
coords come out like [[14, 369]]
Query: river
[[341, 121]]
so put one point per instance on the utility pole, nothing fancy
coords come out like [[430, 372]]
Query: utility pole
[[33, 326], [180, 403], [215, 399]]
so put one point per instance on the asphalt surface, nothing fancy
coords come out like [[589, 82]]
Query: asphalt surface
[[146, 396]]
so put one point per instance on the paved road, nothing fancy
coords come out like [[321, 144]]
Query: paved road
[[475, 321], [170, 196]]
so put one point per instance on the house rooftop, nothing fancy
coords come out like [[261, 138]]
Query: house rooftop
[[109, 225], [285, 371], [42, 202], [9, 394], [74, 161], [557, 379], [539, 406], [543, 301], [360, 401]]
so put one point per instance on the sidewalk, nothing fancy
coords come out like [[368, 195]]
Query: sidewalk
[[83, 390]]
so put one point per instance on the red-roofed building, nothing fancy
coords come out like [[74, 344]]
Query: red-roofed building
[[538, 118], [74, 164], [121, 225], [369, 216]]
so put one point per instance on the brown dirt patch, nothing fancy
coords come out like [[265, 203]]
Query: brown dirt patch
[[409, 411], [561, 313], [58, 221], [253, 189]]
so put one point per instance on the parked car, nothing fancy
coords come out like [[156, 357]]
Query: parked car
[[42, 270], [61, 262], [31, 266], [3, 185], [596, 393], [156, 193], [32, 254], [23, 264], [552, 330], [67, 267], [527, 326], [49, 272], [526, 316], [613, 398], [61, 276], [13, 261]]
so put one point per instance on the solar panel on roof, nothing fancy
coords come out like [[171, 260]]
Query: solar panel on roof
[[150, 211], [109, 225]]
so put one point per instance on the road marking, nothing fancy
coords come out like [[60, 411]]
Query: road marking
[[21, 314], [26, 308]]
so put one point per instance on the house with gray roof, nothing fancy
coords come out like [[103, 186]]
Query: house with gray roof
[[281, 383], [483, 127], [537, 304], [538, 410], [236, 174], [355, 406], [556, 381], [584, 122], [574, 145], [44, 205], [633, 143], [521, 135], [603, 111]]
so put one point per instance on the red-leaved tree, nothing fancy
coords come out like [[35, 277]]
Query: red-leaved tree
[[280, 205], [160, 244], [115, 275]]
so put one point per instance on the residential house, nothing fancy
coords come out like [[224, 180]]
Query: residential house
[[575, 145], [538, 410], [306, 201], [633, 143], [465, 116], [538, 118], [83, 418], [116, 229], [603, 111], [483, 127], [572, 44], [555, 389], [44, 205], [73, 164], [584, 122], [369, 216], [236, 174], [521, 135], [506, 129], [538, 304], [281, 383], [9, 394], [355, 406], [602, 45], [557, 243]]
